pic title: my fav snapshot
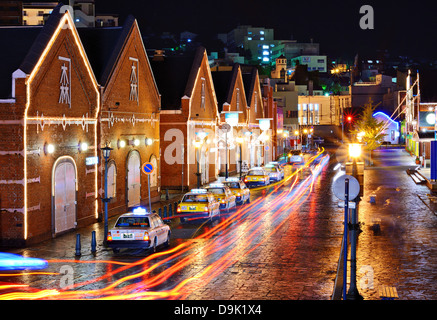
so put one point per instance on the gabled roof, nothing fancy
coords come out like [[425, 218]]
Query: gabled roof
[[175, 77], [23, 48], [224, 82], [249, 84], [103, 46]]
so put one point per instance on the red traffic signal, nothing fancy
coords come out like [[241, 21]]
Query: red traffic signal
[[349, 118]]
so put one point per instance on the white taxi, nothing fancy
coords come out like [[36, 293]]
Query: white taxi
[[275, 173], [138, 229]]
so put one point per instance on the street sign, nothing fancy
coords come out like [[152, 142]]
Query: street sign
[[351, 205], [148, 168], [225, 127], [338, 187]]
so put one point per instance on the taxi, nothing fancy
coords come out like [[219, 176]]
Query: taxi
[[256, 177], [224, 195], [198, 204], [275, 173], [138, 229], [239, 189]]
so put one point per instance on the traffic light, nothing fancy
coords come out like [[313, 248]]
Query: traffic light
[[349, 119]]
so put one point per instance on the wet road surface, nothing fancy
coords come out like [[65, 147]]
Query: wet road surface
[[284, 245]]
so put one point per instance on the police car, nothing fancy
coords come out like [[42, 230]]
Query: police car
[[223, 194], [239, 189], [198, 204], [275, 173], [138, 229], [256, 177]]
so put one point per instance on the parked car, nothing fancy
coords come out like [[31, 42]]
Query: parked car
[[257, 177], [223, 194], [138, 229], [198, 204], [296, 158], [275, 173], [239, 189]]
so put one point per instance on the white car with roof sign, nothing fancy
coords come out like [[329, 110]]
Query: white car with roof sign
[[138, 229]]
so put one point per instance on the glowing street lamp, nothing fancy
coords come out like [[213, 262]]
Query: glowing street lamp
[[355, 150], [240, 141]]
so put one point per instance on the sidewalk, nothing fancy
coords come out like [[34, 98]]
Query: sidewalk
[[64, 246], [398, 241]]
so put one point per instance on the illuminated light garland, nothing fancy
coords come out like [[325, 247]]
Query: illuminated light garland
[[66, 19]]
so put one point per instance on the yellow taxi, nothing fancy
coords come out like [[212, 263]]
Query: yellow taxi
[[256, 177], [223, 194], [198, 204], [239, 189]]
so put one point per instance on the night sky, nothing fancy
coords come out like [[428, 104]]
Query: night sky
[[402, 27]]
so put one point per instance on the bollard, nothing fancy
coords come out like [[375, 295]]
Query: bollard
[[78, 245], [165, 211], [160, 212], [175, 207], [93, 242], [170, 210]]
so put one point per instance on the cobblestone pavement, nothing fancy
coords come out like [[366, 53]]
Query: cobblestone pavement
[[402, 252], [289, 252]]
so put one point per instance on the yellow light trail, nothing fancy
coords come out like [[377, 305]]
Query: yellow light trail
[[229, 243]]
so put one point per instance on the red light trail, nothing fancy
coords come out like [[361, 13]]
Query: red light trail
[[230, 240]]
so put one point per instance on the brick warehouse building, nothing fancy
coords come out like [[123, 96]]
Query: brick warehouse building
[[129, 116], [47, 115], [189, 119], [256, 111], [231, 97]]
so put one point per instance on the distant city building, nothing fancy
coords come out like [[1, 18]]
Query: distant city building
[[35, 13], [382, 92], [314, 63], [106, 20], [293, 49], [11, 13], [257, 43]]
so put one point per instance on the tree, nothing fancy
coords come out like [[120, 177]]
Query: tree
[[369, 129]]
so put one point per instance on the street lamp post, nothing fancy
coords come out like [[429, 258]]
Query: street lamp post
[[240, 141], [353, 294], [106, 153], [198, 145]]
